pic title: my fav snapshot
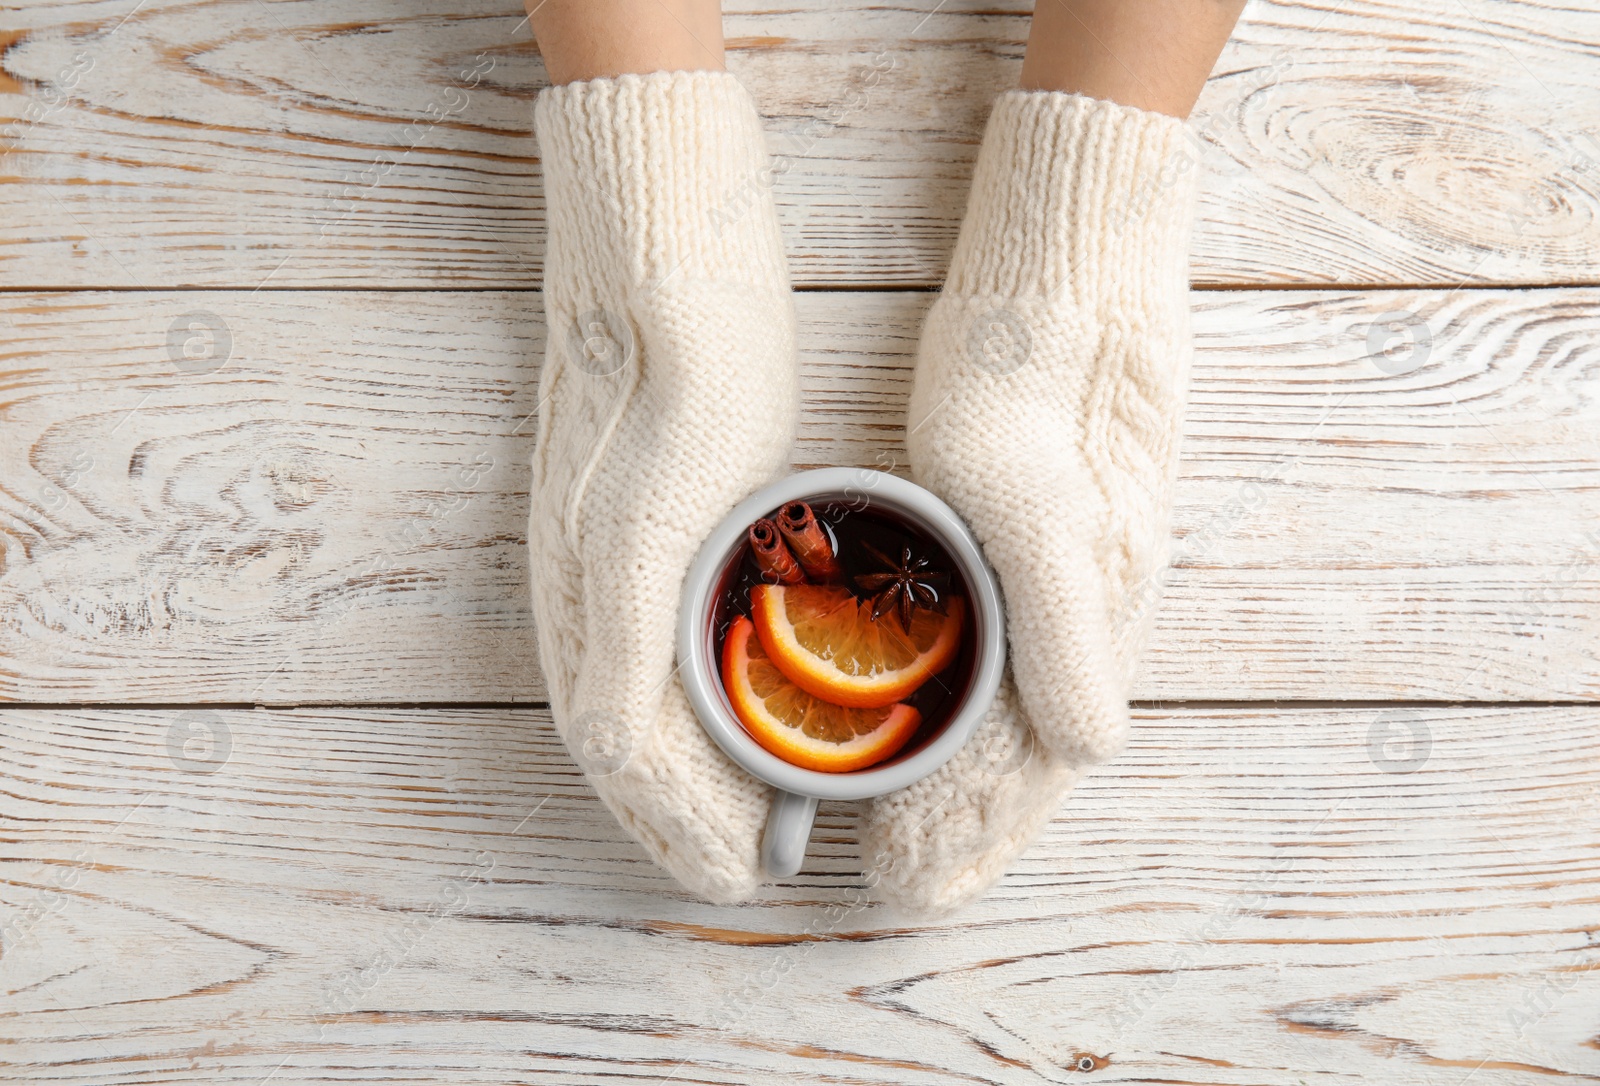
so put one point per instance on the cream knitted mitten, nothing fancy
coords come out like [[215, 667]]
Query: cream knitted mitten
[[1046, 408], [669, 393]]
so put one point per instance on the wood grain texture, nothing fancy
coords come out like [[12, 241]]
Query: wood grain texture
[[1245, 897], [351, 143], [296, 496], [338, 512]]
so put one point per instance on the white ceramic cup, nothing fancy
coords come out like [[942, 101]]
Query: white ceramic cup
[[783, 845]]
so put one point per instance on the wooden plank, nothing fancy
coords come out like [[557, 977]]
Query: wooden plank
[[337, 514], [1245, 897], [345, 143]]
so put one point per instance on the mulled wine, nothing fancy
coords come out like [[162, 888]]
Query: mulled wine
[[845, 635]]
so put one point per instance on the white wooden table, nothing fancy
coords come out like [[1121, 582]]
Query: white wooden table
[[279, 798]]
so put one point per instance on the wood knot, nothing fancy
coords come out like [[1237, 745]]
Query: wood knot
[[292, 480], [1087, 1061]]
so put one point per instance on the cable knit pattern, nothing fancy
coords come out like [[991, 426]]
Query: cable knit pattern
[[669, 393], [1046, 408]]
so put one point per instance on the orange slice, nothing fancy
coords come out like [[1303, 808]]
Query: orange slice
[[803, 730], [828, 644]]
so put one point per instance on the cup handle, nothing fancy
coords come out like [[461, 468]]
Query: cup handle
[[783, 845]]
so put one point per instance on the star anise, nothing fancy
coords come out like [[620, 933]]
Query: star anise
[[903, 586]]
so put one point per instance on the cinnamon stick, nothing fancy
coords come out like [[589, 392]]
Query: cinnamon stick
[[773, 559], [809, 543]]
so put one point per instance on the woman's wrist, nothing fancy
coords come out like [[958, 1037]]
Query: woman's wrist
[[600, 39], [1153, 55]]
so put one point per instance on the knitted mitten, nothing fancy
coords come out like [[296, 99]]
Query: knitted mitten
[[670, 392], [1046, 408]]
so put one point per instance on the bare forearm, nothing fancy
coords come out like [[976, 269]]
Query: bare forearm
[[1151, 54], [594, 39]]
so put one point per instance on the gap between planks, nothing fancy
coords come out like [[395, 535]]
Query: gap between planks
[[909, 287], [1147, 705]]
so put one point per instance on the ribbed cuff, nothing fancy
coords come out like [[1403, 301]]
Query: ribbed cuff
[[651, 176], [1076, 194]]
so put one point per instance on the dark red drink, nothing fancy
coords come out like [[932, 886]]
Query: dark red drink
[[820, 595]]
